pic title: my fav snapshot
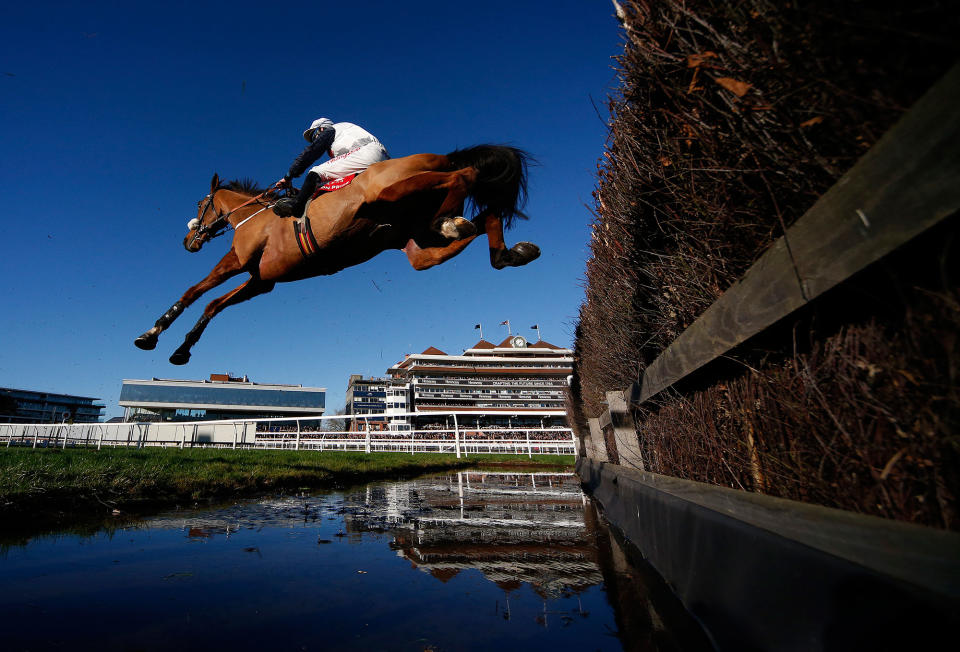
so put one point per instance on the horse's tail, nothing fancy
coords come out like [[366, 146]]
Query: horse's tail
[[502, 180]]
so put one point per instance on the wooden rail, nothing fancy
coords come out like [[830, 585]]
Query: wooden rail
[[905, 184]]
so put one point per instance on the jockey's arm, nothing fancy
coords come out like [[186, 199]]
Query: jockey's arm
[[312, 152]]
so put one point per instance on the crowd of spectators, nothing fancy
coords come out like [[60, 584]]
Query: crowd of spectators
[[429, 432]]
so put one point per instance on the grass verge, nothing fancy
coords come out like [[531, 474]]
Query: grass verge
[[53, 479]]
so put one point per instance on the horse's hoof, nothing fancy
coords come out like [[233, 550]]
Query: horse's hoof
[[180, 357], [146, 342], [457, 228], [519, 254], [524, 252]]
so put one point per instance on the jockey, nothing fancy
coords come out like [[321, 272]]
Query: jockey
[[352, 150]]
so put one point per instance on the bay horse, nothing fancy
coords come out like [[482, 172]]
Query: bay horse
[[414, 203]]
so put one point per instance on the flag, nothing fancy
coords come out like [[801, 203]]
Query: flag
[[476, 327], [535, 326], [504, 323]]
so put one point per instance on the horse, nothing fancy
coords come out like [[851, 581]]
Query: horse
[[414, 204]]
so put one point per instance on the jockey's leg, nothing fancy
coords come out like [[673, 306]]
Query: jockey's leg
[[351, 163], [294, 206]]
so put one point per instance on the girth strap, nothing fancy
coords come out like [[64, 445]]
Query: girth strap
[[304, 235]]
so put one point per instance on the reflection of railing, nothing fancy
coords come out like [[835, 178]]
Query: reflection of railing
[[293, 433]]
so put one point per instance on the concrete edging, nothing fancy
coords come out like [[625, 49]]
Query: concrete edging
[[768, 573]]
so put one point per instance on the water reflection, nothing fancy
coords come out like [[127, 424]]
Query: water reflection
[[463, 561], [503, 525]]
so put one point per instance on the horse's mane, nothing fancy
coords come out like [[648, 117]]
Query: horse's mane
[[245, 186]]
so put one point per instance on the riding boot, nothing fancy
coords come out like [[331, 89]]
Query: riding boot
[[294, 206]]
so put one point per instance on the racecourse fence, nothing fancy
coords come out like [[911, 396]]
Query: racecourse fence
[[295, 433]]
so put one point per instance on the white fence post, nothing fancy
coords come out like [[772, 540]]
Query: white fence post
[[456, 436], [298, 435]]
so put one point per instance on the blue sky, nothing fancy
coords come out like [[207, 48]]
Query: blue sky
[[114, 116]]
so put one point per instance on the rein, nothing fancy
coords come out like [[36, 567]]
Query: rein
[[218, 226]]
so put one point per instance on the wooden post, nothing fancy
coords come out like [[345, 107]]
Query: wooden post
[[596, 446], [100, 438], [618, 421]]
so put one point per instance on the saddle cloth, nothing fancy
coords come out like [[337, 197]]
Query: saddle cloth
[[336, 184]]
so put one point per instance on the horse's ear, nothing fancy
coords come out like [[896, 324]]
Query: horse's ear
[[214, 182]]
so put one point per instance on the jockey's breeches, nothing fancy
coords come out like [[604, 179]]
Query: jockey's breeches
[[353, 162]]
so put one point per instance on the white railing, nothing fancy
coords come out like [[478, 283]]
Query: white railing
[[294, 433]]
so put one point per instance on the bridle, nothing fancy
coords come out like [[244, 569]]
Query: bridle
[[219, 225]]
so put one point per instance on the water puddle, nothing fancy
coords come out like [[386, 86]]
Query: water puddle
[[461, 561]]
